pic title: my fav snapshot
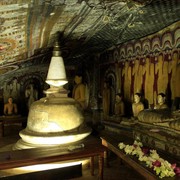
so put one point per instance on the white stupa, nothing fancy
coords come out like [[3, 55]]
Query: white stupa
[[55, 119]]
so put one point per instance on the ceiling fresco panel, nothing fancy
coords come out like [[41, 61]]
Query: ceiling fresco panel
[[13, 28], [85, 27]]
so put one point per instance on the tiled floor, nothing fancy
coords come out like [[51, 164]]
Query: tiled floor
[[114, 171]]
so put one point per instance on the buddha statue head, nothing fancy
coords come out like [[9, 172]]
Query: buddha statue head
[[78, 79], [137, 97], [161, 98]]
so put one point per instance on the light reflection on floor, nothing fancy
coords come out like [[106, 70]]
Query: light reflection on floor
[[114, 171]]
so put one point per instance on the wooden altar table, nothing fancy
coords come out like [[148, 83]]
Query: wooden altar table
[[92, 147], [112, 145], [10, 120]]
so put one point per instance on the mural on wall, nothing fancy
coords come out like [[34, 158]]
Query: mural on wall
[[107, 89], [14, 82], [11, 89], [32, 89], [111, 79], [148, 66], [19, 88]]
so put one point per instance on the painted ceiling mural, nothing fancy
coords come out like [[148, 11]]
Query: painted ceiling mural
[[166, 40], [83, 27]]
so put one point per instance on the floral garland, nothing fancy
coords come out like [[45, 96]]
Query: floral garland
[[152, 159]]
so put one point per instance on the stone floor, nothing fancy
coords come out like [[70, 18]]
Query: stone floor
[[114, 171]]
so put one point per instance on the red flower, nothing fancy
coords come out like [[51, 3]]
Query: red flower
[[145, 150], [177, 171], [156, 163], [173, 165]]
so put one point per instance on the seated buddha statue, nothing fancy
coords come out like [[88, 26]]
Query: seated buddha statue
[[10, 108], [137, 106], [161, 101]]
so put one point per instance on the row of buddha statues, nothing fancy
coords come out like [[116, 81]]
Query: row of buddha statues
[[138, 105], [79, 94], [119, 106]]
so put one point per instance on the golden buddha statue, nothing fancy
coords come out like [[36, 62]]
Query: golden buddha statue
[[137, 106], [161, 98], [79, 91], [10, 108]]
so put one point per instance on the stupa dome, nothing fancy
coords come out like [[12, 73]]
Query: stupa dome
[[53, 121]]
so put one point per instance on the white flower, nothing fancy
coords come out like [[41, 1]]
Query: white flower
[[139, 152], [157, 169], [149, 161], [128, 149], [162, 167], [143, 158], [136, 150], [154, 154], [121, 145], [138, 143]]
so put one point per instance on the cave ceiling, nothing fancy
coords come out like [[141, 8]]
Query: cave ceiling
[[83, 27]]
